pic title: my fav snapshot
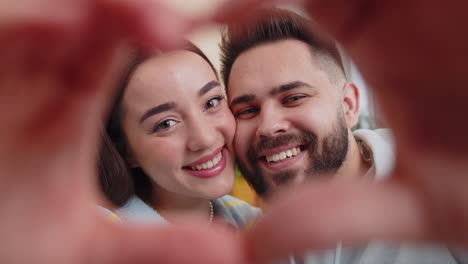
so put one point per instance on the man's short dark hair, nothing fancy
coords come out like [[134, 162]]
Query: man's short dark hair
[[273, 24]]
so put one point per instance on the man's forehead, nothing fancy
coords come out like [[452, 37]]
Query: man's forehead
[[260, 69], [249, 97]]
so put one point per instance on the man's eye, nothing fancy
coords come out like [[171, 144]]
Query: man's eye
[[293, 99], [247, 112], [168, 123], [213, 102]]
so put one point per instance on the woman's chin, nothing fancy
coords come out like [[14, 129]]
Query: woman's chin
[[220, 189]]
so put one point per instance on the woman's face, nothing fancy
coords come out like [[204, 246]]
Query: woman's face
[[178, 126]]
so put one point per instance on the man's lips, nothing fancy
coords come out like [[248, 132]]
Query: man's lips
[[276, 151], [281, 158], [284, 164]]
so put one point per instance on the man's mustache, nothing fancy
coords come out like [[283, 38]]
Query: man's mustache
[[303, 138]]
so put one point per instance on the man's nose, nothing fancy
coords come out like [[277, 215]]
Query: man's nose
[[273, 121]]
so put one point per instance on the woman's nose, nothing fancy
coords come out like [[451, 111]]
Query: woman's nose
[[202, 135]]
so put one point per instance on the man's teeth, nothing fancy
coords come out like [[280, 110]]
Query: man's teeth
[[209, 164], [283, 155]]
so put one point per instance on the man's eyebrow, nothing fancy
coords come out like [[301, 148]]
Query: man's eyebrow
[[158, 109], [207, 87], [289, 86], [243, 99]]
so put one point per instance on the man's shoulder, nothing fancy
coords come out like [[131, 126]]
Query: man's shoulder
[[377, 145], [383, 134], [376, 140]]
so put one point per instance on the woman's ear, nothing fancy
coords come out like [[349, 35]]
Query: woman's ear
[[350, 103]]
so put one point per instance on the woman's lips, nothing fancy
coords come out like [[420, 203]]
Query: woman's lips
[[205, 158], [197, 168]]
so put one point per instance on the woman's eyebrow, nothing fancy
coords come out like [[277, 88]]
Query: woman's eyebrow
[[207, 87], [171, 105], [158, 109]]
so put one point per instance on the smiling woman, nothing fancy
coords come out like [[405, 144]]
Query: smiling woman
[[167, 152]]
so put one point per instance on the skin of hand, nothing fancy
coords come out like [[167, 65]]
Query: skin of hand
[[59, 61], [57, 57], [413, 55]]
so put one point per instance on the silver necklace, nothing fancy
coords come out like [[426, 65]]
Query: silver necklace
[[211, 213]]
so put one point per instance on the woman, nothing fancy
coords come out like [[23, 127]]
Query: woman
[[168, 150]]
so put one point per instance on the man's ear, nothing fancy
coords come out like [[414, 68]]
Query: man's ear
[[350, 103]]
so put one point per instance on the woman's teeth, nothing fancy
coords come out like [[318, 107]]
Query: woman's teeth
[[283, 155], [209, 164]]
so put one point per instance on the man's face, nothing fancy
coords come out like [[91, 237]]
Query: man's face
[[290, 121]]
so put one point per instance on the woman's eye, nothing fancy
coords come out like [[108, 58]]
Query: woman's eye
[[168, 123], [213, 102]]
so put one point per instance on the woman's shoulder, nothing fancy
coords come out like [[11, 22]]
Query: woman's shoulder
[[135, 210], [236, 211], [108, 214]]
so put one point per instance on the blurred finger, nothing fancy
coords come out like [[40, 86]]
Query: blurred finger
[[237, 11], [167, 244], [149, 22], [14, 12], [318, 216]]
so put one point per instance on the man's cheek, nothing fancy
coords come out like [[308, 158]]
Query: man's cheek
[[239, 141]]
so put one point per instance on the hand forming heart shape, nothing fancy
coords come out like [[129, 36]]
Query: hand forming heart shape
[[59, 58]]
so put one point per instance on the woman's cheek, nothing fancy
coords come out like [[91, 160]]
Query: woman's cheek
[[171, 153], [227, 124], [159, 156]]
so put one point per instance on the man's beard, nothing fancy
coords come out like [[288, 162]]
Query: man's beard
[[328, 159]]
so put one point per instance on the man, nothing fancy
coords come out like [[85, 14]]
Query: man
[[294, 107], [294, 110]]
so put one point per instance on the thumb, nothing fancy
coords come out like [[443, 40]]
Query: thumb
[[150, 23], [119, 243], [320, 215]]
